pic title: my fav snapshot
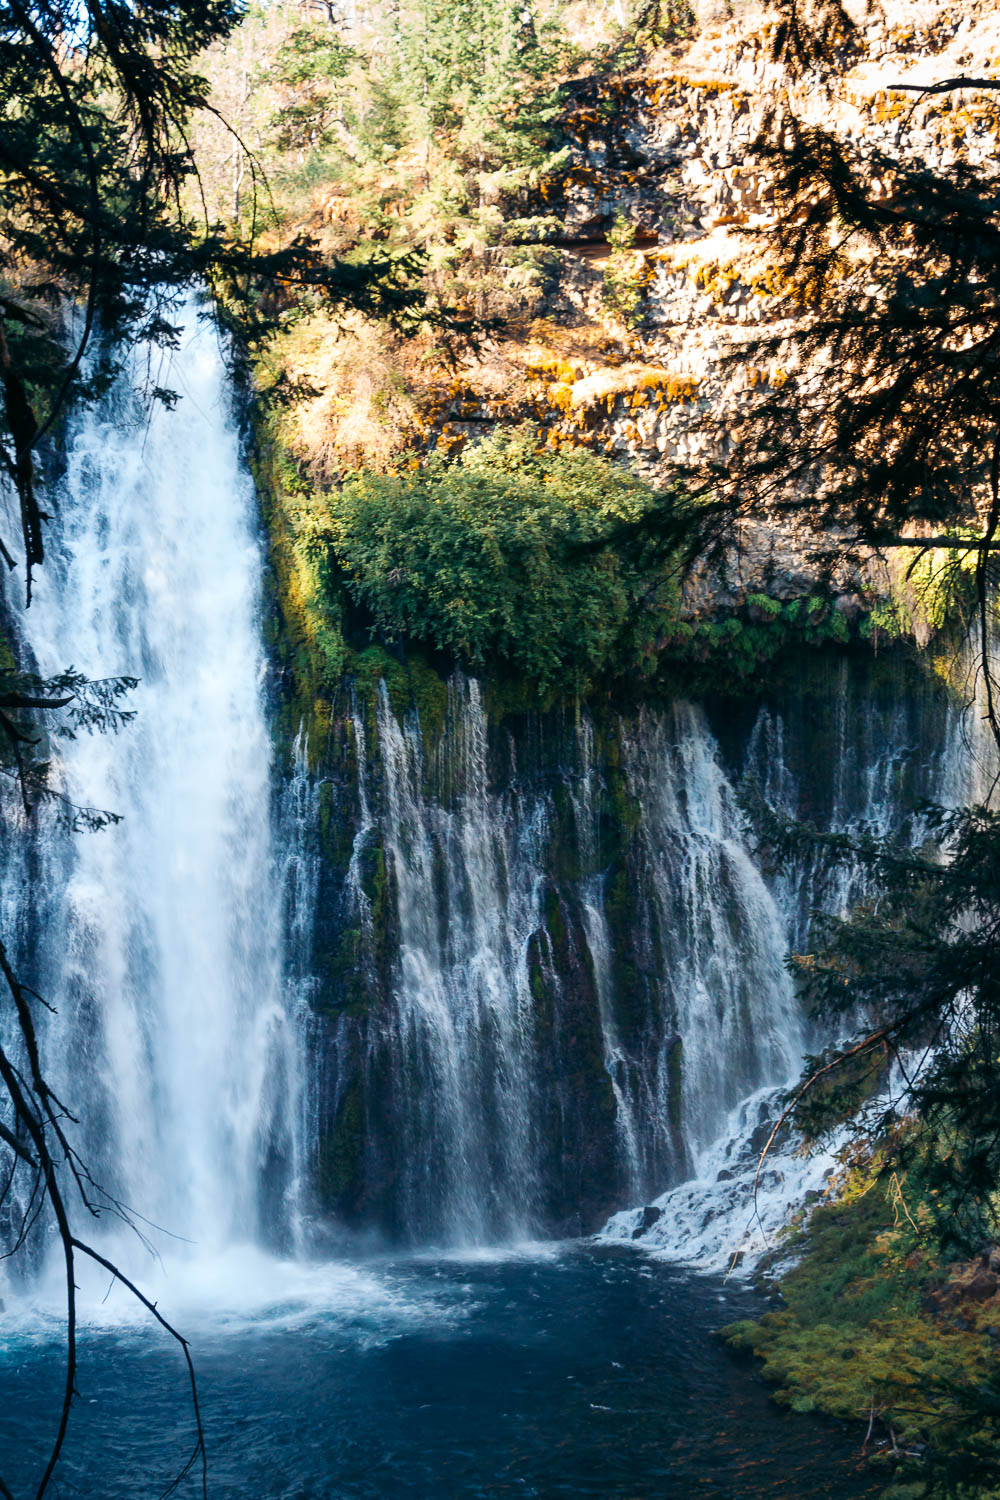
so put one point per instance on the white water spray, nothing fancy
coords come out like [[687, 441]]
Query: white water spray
[[884, 764]]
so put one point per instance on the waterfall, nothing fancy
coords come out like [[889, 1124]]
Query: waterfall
[[883, 755], [542, 1043], [570, 992], [720, 1016], [460, 1030], [300, 866], [890, 752], [535, 971], [719, 933], [630, 1124], [161, 946]]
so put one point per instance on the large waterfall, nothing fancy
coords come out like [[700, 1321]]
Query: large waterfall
[[161, 946], [532, 976]]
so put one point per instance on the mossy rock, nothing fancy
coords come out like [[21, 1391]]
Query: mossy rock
[[340, 1159], [412, 685]]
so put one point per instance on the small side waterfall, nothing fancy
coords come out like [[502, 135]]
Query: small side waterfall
[[889, 752], [460, 1033], [571, 1010], [299, 869], [162, 944], [713, 932]]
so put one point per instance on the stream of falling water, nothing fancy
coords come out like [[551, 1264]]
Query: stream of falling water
[[884, 763], [485, 1108], [162, 946], [472, 1061], [468, 881]]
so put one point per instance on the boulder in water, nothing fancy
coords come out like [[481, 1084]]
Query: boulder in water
[[650, 1215]]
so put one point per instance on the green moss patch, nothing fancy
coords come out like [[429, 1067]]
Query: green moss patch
[[874, 1330]]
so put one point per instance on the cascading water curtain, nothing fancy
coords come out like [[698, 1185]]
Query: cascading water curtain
[[162, 944]]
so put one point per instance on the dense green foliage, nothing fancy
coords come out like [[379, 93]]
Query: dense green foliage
[[93, 103], [622, 281], [424, 126], [96, 107], [500, 558], [727, 653], [873, 1329], [490, 557], [891, 1311]]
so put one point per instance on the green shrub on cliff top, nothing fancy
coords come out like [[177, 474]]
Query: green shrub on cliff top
[[495, 557]]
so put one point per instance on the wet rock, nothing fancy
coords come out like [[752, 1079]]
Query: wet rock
[[650, 1215]]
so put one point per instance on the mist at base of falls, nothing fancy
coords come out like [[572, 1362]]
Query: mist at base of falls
[[571, 1371]]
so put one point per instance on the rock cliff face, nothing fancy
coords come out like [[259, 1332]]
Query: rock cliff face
[[629, 352], [541, 962]]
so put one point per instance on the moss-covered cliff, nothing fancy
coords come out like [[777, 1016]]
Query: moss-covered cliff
[[463, 847]]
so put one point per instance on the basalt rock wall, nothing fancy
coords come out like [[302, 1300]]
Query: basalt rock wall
[[541, 960]]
